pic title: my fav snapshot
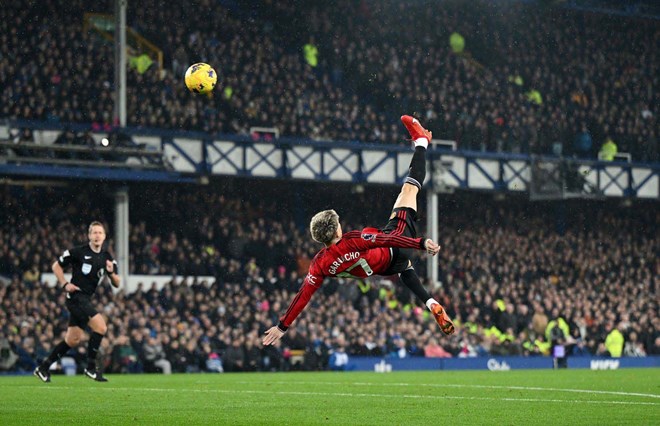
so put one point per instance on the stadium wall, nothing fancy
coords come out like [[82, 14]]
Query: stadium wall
[[134, 280]]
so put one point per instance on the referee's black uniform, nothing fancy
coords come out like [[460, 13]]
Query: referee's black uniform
[[88, 271]]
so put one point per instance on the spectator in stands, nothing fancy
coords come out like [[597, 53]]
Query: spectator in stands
[[608, 150], [583, 142], [655, 349], [66, 138], [614, 341], [433, 349], [7, 356], [633, 347], [214, 363], [233, 359], [177, 356], [339, 359], [124, 357], [253, 358], [154, 357]]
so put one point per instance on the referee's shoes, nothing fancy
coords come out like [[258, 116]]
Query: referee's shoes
[[43, 375], [95, 375]]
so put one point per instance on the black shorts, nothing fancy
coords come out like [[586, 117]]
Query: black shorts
[[80, 308], [402, 222]]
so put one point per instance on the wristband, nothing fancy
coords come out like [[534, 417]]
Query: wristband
[[63, 286], [283, 328]]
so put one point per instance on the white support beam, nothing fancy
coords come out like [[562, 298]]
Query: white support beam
[[120, 62], [122, 230], [432, 232]]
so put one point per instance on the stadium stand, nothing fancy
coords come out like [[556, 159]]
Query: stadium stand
[[507, 272], [529, 79]]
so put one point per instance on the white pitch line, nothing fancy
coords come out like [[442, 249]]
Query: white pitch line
[[449, 385], [342, 394]]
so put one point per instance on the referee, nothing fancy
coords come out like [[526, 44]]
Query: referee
[[90, 264]]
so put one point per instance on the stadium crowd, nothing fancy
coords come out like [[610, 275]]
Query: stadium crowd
[[529, 79], [518, 278]]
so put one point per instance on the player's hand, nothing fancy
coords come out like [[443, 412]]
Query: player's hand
[[71, 288], [431, 247], [272, 335], [109, 266]]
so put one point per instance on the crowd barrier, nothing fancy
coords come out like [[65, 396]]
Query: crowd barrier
[[385, 365]]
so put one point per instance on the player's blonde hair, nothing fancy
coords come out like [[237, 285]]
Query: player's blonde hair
[[93, 224], [324, 225]]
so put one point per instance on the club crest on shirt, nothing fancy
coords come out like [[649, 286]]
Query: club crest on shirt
[[369, 237], [86, 268]]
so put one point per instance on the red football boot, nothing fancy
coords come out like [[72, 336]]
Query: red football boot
[[441, 317], [415, 129]]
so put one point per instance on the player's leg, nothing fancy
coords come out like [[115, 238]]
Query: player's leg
[[403, 223], [410, 279], [417, 171], [99, 328], [408, 199], [73, 336], [71, 340]]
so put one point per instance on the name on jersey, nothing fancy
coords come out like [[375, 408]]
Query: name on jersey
[[341, 259]]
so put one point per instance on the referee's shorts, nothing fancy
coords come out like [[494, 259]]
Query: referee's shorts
[[80, 308]]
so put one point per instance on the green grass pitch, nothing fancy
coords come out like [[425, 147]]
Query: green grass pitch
[[571, 397]]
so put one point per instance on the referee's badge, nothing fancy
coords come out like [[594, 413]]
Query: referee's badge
[[86, 268]]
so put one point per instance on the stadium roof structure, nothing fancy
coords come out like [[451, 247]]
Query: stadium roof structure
[[195, 157]]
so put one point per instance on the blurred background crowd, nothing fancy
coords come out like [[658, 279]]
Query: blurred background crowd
[[519, 278], [493, 77]]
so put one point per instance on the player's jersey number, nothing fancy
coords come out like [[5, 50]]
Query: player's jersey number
[[362, 263]]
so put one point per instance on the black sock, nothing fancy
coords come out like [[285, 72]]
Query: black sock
[[417, 170], [55, 355], [410, 279], [93, 350]]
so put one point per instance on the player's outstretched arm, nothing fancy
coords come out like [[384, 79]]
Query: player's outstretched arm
[[272, 335], [310, 285], [367, 240], [431, 247]]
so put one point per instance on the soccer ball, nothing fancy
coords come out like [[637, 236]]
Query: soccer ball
[[201, 78]]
